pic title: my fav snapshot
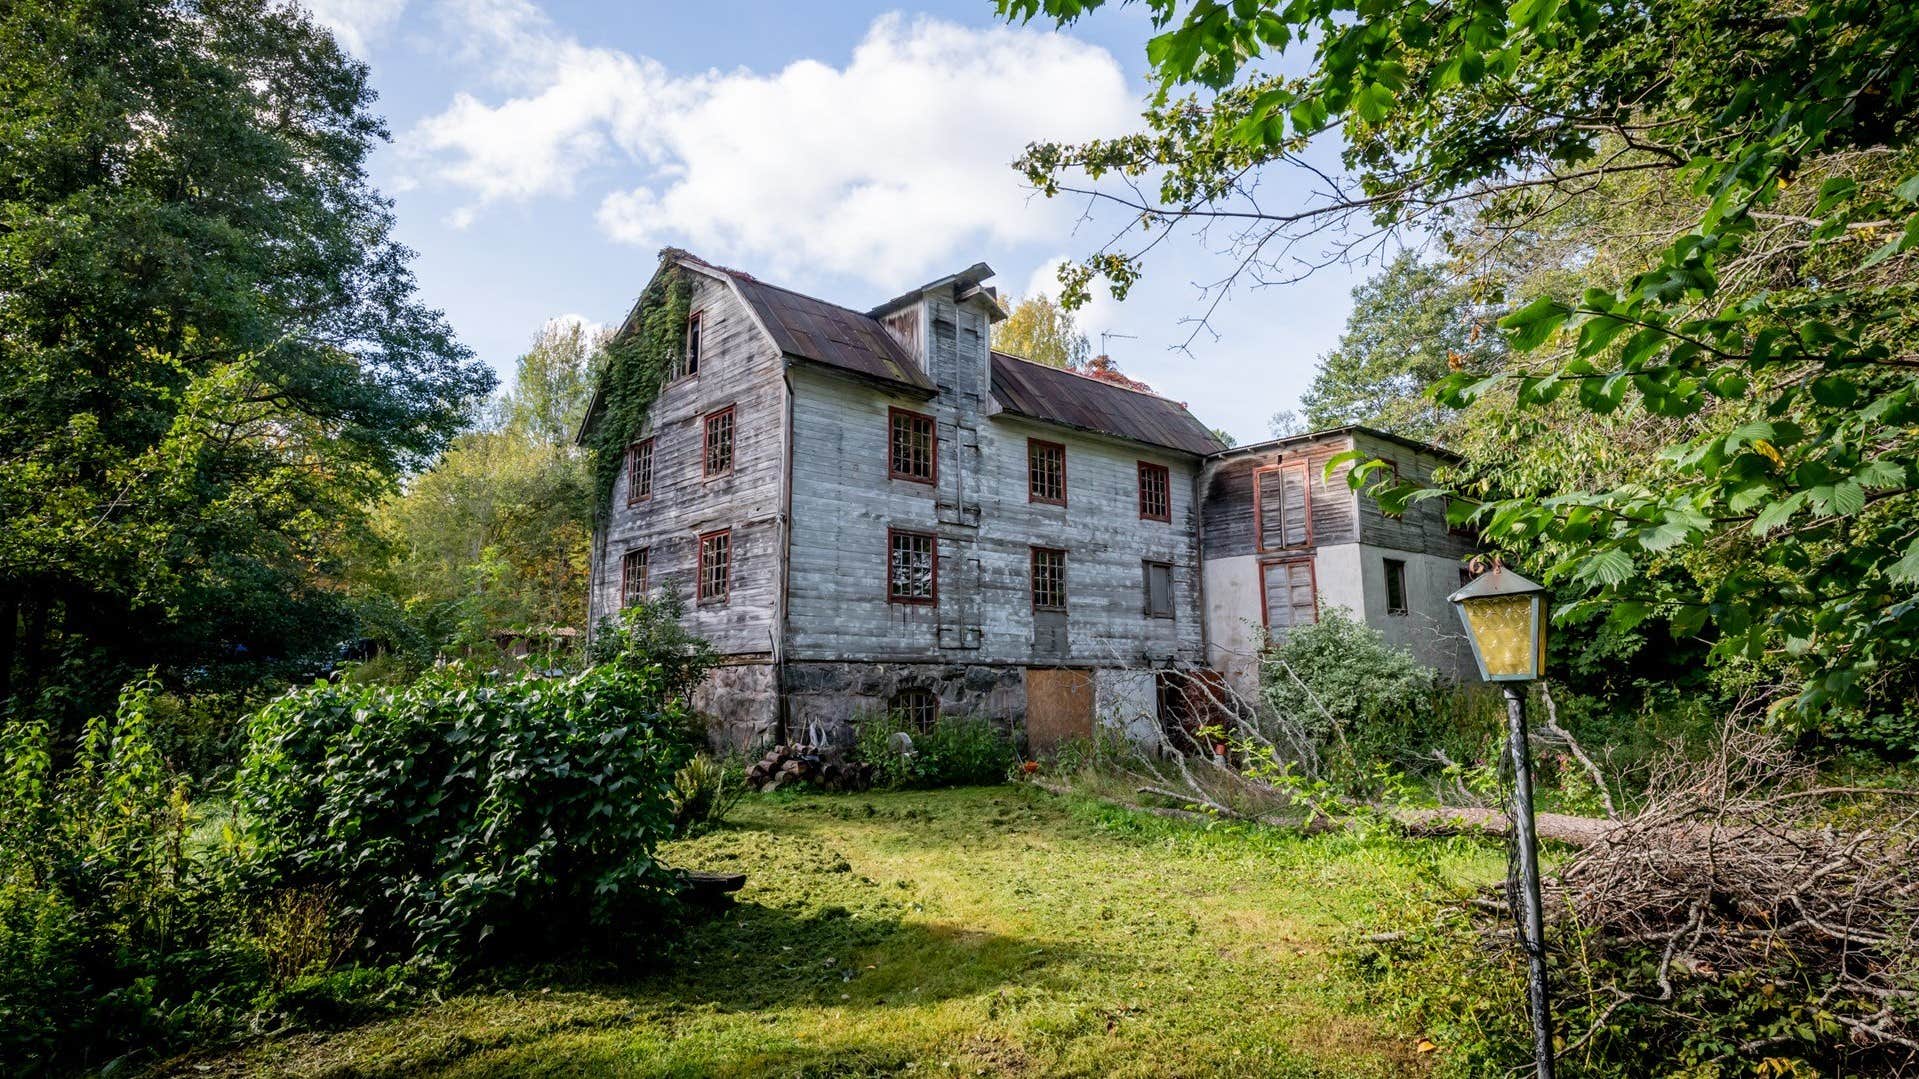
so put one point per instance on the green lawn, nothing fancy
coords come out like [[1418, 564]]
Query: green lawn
[[991, 931]]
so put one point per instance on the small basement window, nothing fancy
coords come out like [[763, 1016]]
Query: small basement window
[[633, 576], [912, 574], [912, 446], [716, 566], [917, 708], [1155, 497], [1159, 589], [719, 442], [1395, 586], [1049, 579], [1045, 472]]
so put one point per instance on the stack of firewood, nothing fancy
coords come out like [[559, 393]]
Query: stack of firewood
[[825, 768]]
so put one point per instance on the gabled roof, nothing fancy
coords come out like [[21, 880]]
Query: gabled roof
[[1331, 432], [1056, 395], [812, 329], [855, 342]]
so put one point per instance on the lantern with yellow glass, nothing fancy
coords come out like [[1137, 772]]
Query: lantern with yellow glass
[[1505, 616]]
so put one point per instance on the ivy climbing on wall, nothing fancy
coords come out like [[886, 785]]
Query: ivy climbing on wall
[[637, 364]]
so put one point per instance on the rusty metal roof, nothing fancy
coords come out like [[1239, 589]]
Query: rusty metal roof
[[830, 334], [1053, 395]]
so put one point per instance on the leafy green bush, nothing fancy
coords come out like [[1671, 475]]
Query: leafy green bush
[[466, 811], [957, 751], [704, 792], [1338, 677], [112, 938]]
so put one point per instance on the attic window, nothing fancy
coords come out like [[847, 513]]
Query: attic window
[[689, 361], [1155, 486], [912, 446], [1045, 472]]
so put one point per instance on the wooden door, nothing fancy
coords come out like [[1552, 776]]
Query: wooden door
[[1059, 706]]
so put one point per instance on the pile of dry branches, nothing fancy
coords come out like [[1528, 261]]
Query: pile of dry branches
[[1743, 864]]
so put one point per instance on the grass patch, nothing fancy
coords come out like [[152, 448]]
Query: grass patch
[[984, 931]]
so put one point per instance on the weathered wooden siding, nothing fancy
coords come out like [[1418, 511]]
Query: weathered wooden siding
[[740, 367], [1227, 502], [844, 502], [1422, 528]]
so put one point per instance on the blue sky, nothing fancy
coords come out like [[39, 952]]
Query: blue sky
[[544, 150]]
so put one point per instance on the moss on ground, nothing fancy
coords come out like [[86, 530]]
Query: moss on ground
[[988, 931]]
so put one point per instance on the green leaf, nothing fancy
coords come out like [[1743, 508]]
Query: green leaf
[[1530, 326], [1606, 568], [1906, 570]]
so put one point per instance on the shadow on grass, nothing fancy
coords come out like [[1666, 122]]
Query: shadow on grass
[[754, 957]]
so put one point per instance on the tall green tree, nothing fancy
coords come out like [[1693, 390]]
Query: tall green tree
[[497, 534], [1778, 308], [1411, 325], [211, 352], [1039, 329]]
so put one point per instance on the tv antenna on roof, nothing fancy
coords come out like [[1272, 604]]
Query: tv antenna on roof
[[1105, 334]]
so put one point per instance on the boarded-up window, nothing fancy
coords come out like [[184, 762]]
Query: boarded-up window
[[1155, 493], [1159, 589], [688, 363], [917, 708], [1280, 507], [719, 442], [912, 573], [1395, 586], [716, 566], [633, 576], [911, 443], [1045, 472], [639, 471], [1049, 579], [1287, 594]]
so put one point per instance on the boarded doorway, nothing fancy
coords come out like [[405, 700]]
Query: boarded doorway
[[1059, 706]]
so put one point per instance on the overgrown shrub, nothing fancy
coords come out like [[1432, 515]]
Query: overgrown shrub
[[469, 811], [112, 937], [957, 751], [704, 792], [1338, 679]]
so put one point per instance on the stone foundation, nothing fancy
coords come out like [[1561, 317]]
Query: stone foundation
[[740, 704], [836, 695]]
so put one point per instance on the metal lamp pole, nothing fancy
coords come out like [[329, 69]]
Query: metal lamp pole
[[1532, 920]]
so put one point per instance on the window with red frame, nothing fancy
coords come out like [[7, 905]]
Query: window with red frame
[[719, 442], [912, 447], [688, 363], [1045, 472], [1155, 492], [633, 576], [639, 471], [912, 567], [716, 566], [1049, 579]]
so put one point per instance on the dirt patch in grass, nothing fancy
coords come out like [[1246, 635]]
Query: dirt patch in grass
[[991, 931]]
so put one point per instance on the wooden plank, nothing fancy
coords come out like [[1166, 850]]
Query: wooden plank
[[1059, 707]]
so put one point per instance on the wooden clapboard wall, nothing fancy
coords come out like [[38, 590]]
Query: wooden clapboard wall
[[1238, 491]]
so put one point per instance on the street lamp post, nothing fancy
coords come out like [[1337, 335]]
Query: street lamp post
[[1505, 617]]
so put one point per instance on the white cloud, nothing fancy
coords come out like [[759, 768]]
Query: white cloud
[[355, 23], [891, 166]]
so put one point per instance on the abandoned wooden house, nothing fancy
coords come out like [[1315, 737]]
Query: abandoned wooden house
[[872, 510]]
